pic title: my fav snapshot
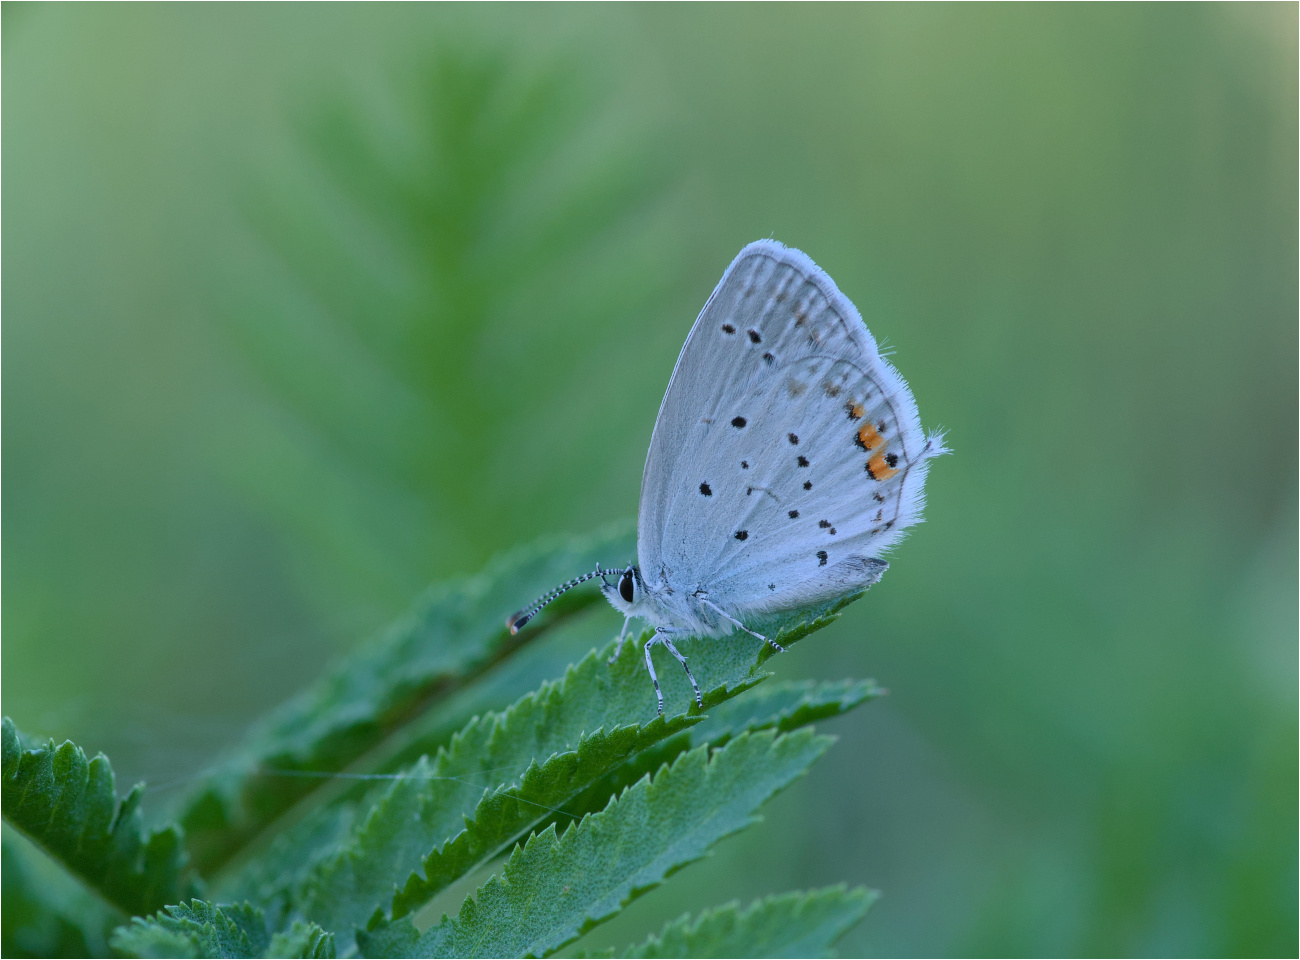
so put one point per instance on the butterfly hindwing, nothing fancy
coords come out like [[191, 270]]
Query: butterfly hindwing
[[788, 454]]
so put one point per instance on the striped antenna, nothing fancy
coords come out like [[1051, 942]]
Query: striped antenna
[[516, 621]]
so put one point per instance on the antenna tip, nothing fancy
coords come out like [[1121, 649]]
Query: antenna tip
[[516, 621]]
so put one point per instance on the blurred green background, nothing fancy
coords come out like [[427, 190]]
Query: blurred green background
[[305, 306]]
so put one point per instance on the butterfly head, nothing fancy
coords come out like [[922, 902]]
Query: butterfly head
[[626, 591]]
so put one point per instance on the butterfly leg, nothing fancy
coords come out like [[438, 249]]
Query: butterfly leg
[[650, 665], [725, 616], [699, 700], [622, 639]]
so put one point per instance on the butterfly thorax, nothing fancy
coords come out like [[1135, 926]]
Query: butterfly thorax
[[665, 608]]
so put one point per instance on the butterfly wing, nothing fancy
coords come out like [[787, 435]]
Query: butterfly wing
[[787, 453]]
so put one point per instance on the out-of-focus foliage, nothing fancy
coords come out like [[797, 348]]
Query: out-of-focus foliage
[[432, 251], [46, 912], [304, 308]]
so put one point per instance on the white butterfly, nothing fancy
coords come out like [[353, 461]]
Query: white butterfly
[[787, 457]]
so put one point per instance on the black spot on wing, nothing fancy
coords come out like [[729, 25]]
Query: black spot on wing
[[821, 558], [706, 489], [794, 514], [738, 422], [807, 484], [742, 534], [754, 337], [728, 328], [793, 438], [803, 461]]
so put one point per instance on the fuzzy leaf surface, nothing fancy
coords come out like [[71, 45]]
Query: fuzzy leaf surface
[[505, 773], [301, 940], [300, 845], [201, 929], [68, 806], [553, 889], [781, 706], [788, 925], [785, 705], [452, 634]]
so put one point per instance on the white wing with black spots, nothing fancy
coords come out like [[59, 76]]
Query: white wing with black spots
[[788, 455]]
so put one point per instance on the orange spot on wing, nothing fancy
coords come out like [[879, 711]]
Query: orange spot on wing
[[856, 411], [880, 470], [870, 437]]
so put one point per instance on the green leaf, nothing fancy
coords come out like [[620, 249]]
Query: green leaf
[[326, 828], [783, 706], [195, 929], [504, 773], [553, 889], [68, 806], [786, 705], [431, 806], [301, 940], [454, 633], [789, 925], [45, 911], [200, 929]]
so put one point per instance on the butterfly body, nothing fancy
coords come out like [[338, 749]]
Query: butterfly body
[[667, 608], [787, 458]]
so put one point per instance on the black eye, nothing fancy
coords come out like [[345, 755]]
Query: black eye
[[625, 586]]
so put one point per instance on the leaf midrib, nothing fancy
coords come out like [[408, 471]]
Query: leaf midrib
[[375, 759]]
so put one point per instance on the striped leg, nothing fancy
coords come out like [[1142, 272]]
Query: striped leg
[[650, 665], [699, 700]]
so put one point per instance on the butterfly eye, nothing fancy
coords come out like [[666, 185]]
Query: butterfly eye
[[625, 586]]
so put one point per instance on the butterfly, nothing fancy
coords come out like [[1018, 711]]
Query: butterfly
[[787, 458]]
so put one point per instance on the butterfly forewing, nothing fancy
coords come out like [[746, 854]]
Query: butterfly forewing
[[787, 452]]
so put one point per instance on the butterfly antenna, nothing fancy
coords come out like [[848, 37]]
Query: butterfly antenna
[[516, 621]]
